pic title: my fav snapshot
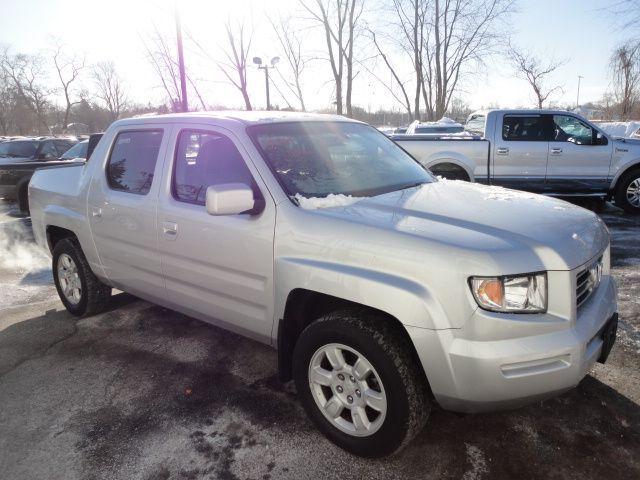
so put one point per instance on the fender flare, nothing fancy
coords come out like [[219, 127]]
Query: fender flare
[[630, 165], [411, 303]]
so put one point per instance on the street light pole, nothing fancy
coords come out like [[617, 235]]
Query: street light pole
[[266, 67], [580, 77], [184, 106]]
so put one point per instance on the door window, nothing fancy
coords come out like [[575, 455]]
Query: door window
[[133, 161], [204, 159], [48, 151], [569, 129], [523, 128]]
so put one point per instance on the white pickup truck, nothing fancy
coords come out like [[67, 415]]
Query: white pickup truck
[[383, 288], [544, 151]]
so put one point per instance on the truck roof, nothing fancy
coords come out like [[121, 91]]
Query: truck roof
[[242, 117], [526, 111]]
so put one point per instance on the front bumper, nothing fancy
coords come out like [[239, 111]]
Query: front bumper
[[466, 374]]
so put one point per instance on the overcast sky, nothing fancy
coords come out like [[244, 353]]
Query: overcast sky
[[580, 31]]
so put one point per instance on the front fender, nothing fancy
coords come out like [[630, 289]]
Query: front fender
[[409, 302], [622, 168]]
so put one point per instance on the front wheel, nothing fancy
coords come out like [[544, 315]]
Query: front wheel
[[359, 384], [79, 289], [627, 194]]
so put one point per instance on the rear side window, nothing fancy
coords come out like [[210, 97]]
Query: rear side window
[[133, 161], [475, 124], [204, 159], [524, 128]]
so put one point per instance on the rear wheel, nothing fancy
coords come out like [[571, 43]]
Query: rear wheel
[[79, 289], [627, 194], [450, 171], [359, 383]]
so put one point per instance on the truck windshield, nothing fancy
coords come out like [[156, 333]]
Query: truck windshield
[[18, 149], [315, 159]]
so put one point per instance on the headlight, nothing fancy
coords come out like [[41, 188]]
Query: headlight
[[517, 293]]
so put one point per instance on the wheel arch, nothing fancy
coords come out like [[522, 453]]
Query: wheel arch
[[304, 306], [55, 234], [452, 158], [634, 165]]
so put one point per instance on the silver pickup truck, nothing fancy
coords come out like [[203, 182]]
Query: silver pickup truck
[[544, 151], [383, 288]]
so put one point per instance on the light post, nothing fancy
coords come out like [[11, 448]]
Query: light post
[[580, 77], [184, 104], [265, 67]]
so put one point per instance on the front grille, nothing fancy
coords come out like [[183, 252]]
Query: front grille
[[587, 281]]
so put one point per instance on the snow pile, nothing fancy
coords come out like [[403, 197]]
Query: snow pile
[[448, 121], [331, 200], [619, 129]]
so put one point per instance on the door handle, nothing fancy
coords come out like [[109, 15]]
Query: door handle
[[556, 151], [502, 151], [170, 229]]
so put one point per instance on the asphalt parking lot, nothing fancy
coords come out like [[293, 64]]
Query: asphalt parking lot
[[141, 392]]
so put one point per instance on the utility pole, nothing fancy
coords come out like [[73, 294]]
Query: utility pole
[[265, 67], [183, 80], [580, 77]]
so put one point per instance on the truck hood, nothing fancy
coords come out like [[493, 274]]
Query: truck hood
[[627, 142], [489, 220]]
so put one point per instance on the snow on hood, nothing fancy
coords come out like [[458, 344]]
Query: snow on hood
[[480, 218], [331, 200], [619, 129]]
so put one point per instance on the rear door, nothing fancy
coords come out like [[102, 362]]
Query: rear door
[[579, 158], [520, 151], [217, 268], [122, 206]]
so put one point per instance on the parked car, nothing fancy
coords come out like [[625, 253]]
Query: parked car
[[544, 151], [20, 158], [382, 292]]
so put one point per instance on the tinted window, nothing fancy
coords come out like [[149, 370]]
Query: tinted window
[[523, 128], [48, 151], [62, 146], [569, 129], [318, 158], [204, 159], [133, 161], [25, 149]]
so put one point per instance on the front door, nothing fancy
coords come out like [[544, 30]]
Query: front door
[[579, 158], [217, 268], [520, 152], [122, 211]]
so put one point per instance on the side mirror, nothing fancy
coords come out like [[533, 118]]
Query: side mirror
[[601, 139], [229, 199]]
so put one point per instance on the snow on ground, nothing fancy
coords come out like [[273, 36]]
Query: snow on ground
[[620, 129]]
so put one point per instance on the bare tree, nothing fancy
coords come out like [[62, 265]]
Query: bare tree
[[404, 98], [628, 11], [25, 73], [291, 45], [164, 62], [68, 69], [625, 68], [339, 20], [461, 33], [109, 88], [534, 71], [236, 53]]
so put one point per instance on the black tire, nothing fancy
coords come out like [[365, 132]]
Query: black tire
[[621, 192], [95, 295], [389, 352], [23, 197]]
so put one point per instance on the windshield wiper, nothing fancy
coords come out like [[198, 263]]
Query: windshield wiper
[[413, 185]]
